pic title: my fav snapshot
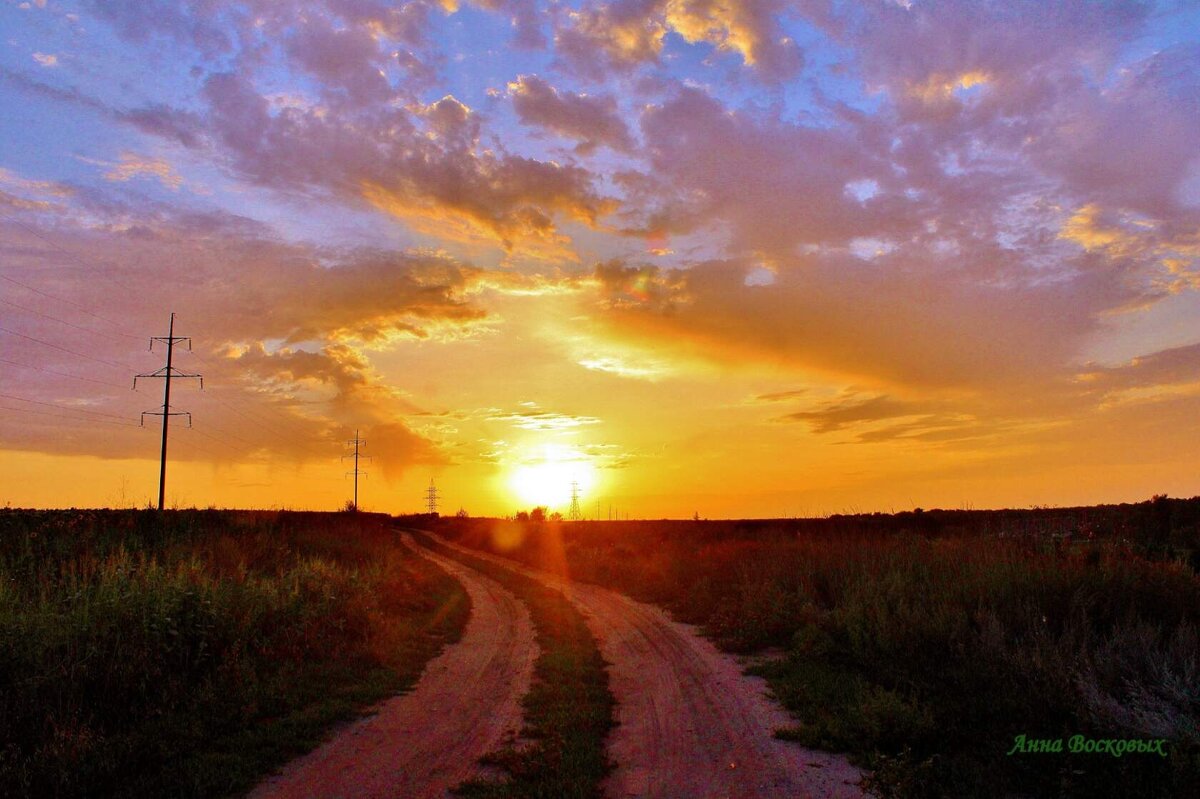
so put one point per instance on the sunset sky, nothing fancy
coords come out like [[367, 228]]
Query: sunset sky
[[728, 257]]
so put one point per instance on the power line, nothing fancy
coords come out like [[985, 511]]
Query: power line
[[65, 407], [64, 301], [61, 321], [73, 257], [65, 416], [222, 441], [202, 447], [60, 374], [64, 349], [232, 437]]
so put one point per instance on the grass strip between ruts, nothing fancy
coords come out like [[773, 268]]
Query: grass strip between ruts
[[569, 708]]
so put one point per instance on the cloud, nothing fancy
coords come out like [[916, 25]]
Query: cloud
[[1165, 254], [157, 119], [749, 28], [782, 396], [623, 34], [899, 47], [1164, 368], [525, 18], [533, 418], [345, 59], [591, 120], [31, 195], [908, 321], [386, 159], [617, 36], [133, 165], [363, 136], [1127, 145], [46, 60], [644, 287], [837, 416], [777, 184], [398, 450]]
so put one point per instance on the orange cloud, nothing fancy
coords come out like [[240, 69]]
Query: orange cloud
[[630, 32]]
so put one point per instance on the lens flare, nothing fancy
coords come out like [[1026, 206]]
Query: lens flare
[[546, 479]]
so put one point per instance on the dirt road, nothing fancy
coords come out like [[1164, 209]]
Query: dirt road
[[691, 725], [422, 743]]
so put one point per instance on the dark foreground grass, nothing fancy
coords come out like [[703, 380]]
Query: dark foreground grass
[[187, 654], [569, 708], [926, 656]]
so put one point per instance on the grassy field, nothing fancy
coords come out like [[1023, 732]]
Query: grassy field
[[926, 643], [568, 710], [187, 653]]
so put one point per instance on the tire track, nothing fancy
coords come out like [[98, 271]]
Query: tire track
[[421, 744]]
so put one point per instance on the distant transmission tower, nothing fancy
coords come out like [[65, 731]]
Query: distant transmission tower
[[574, 514], [431, 498], [356, 442], [167, 372]]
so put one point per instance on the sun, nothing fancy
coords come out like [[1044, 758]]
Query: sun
[[546, 478]]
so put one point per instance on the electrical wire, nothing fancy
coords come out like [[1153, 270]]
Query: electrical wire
[[71, 352], [62, 321], [64, 407], [65, 416], [60, 374]]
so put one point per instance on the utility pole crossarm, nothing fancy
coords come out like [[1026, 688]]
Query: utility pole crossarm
[[168, 372]]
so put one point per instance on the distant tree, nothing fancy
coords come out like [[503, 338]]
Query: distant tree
[[538, 514], [556, 517], [522, 516], [462, 514], [349, 507]]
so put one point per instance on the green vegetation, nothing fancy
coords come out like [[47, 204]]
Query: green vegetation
[[925, 643], [188, 653], [568, 710]]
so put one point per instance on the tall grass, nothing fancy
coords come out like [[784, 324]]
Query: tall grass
[[926, 655], [187, 653]]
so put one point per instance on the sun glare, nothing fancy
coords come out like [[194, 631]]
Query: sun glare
[[546, 479]]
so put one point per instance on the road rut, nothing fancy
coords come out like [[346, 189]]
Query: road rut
[[421, 744]]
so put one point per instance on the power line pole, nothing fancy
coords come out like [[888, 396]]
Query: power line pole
[[356, 442], [574, 514], [431, 498], [167, 372]]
